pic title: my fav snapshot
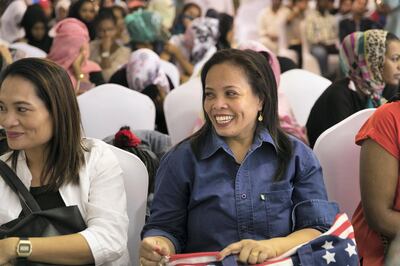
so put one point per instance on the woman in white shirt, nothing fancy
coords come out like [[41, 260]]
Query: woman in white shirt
[[40, 114]]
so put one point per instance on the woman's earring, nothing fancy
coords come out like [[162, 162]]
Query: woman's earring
[[260, 117]]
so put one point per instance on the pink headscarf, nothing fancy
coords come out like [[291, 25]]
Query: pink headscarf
[[273, 60], [286, 117], [70, 35]]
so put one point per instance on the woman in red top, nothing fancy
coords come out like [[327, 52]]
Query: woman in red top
[[377, 218]]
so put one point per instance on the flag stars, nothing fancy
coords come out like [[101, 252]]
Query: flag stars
[[351, 250], [329, 257], [328, 245]]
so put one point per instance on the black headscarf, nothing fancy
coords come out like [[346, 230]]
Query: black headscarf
[[34, 14], [74, 13]]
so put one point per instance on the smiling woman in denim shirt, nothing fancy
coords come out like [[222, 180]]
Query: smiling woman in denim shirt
[[239, 185]]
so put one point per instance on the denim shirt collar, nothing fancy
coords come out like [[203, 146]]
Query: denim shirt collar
[[213, 142]]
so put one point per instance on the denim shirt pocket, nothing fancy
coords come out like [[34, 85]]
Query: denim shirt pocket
[[278, 205]]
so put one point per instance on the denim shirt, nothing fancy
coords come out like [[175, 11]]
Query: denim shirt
[[207, 202]]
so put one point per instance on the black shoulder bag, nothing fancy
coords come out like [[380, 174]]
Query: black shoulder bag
[[34, 222]]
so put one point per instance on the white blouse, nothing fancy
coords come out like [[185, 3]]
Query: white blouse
[[100, 197]]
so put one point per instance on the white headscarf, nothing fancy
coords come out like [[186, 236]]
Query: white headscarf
[[202, 34], [10, 30], [144, 69]]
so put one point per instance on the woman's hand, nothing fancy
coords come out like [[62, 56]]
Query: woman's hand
[[5, 53], [251, 251], [77, 64], [8, 247], [106, 44], [153, 249], [171, 49]]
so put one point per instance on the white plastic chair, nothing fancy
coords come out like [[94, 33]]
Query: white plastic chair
[[136, 183], [199, 65], [182, 107], [29, 50], [106, 108], [339, 157], [172, 72], [302, 89]]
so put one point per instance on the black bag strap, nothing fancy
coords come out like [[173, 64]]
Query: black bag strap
[[28, 202]]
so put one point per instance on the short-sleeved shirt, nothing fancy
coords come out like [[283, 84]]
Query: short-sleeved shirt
[[383, 128], [208, 201]]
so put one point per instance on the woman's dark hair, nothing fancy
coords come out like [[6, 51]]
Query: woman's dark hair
[[262, 81], [34, 14], [212, 13], [74, 13], [391, 37], [225, 25], [75, 7], [53, 86], [105, 13], [178, 26]]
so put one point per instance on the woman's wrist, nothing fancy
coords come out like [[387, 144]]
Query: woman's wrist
[[167, 244], [9, 245]]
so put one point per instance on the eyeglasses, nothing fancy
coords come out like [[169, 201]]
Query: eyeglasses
[[188, 17]]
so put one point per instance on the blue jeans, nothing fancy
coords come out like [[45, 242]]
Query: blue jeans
[[321, 53]]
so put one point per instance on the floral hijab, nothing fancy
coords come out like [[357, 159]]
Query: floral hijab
[[144, 69], [200, 37], [362, 56]]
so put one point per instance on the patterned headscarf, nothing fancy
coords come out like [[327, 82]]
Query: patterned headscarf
[[201, 36], [70, 35], [144, 69], [362, 56]]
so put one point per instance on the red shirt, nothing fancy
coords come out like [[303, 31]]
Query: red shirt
[[383, 127]]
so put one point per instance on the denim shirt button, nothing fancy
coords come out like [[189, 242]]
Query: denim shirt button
[[244, 196]]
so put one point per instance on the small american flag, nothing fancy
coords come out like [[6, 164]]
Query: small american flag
[[336, 247]]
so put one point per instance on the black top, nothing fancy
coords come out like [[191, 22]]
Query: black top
[[47, 199], [119, 77], [347, 26], [335, 104], [96, 78], [286, 64]]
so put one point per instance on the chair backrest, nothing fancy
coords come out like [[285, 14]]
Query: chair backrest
[[182, 107], [339, 157], [136, 182], [302, 89], [199, 65], [172, 72], [106, 108], [29, 50]]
